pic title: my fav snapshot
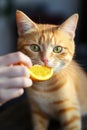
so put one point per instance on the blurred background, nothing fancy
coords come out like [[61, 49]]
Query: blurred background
[[40, 11], [43, 11]]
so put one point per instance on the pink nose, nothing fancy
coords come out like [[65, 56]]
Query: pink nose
[[45, 60]]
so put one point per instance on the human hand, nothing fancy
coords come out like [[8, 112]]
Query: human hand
[[13, 79]]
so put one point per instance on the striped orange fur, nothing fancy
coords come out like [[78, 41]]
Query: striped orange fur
[[63, 96]]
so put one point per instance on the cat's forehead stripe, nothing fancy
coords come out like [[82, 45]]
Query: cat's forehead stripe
[[47, 37], [41, 39]]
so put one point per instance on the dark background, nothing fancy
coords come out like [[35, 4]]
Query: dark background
[[15, 115]]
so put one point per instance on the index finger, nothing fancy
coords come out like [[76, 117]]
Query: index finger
[[13, 58]]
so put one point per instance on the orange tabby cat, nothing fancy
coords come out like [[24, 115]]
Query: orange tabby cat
[[63, 96]]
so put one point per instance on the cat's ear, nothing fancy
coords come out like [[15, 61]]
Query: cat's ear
[[69, 26], [24, 23]]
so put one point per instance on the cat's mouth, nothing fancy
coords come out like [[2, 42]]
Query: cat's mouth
[[44, 64]]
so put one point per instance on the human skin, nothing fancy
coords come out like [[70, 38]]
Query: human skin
[[13, 78]]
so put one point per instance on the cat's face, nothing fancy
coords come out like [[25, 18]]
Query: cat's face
[[48, 45]]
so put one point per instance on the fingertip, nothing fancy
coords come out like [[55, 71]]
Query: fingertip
[[30, 63], [26, 71], [30, 83], [21, 91]]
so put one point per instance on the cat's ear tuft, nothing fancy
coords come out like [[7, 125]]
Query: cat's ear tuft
[[24, 23], [69, 26]]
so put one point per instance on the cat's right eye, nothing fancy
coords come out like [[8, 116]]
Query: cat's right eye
[[35, 48]]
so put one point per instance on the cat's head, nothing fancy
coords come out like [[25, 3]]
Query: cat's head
[[50, 45]]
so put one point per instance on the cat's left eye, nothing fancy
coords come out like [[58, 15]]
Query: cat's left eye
[[35, 48], [58, 49]]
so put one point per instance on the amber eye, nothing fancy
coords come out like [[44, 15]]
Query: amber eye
[[58, 49], [35, 48]]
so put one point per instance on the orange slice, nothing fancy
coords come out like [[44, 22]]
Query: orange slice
[[40, 73]]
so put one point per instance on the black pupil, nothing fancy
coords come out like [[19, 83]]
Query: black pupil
[[35, 47]]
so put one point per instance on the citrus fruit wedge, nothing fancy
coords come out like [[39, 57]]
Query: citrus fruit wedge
[[40, 73]]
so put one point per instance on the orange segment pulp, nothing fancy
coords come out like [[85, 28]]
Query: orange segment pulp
[[40, 73]]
